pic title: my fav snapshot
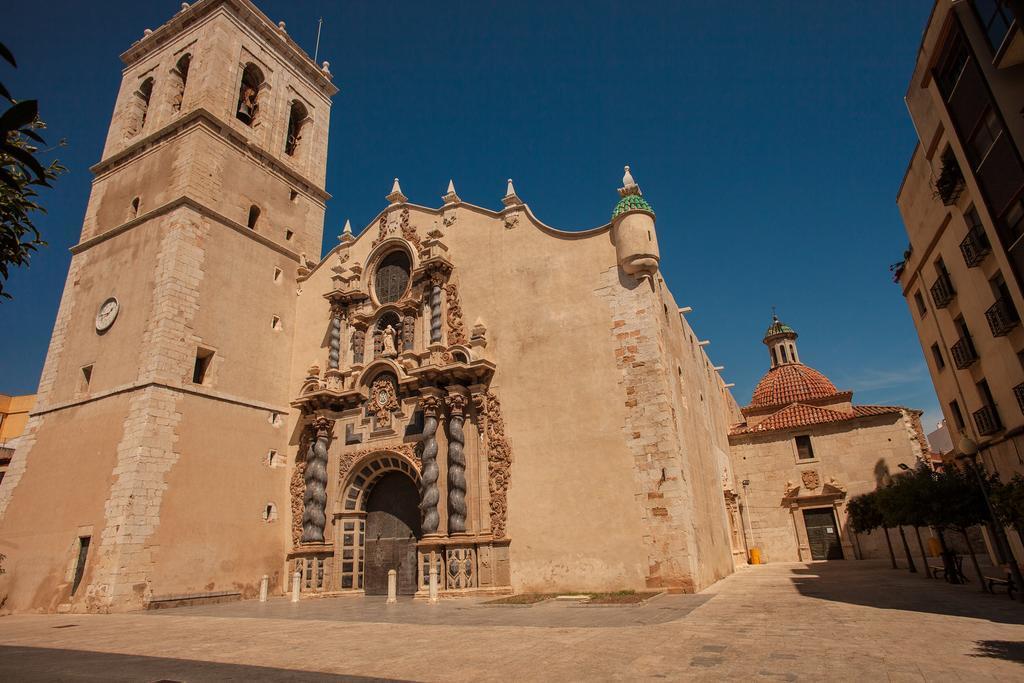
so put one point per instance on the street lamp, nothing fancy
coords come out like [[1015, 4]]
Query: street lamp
[[969, 451]]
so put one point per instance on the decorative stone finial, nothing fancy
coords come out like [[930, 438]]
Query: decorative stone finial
[[346, 232], [280, 26], [511, 198], [326, 67], [627, 179], [147, 32], [450, 197], [396, 196], [184, 6]]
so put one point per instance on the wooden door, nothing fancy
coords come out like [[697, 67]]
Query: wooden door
[[392, 527], [823, 534]]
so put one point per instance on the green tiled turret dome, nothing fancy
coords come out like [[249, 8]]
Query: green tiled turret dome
[[778, 327], [631, 202]]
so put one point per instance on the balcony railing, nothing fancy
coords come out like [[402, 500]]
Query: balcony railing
[[1018, 393], [975, 247], [1002, 317], [963, 354], [942, 291], [987, 421]]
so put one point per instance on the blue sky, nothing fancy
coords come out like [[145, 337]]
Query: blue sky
[[770, 137]]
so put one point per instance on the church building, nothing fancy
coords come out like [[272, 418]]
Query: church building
[[804, 449], [452, 388]]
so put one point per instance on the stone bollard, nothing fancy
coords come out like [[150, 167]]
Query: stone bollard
[[264, 585], [433, 583], [392, 587], [296, 580]]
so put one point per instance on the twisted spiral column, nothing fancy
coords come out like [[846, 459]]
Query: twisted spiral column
[[334, 355], [456, 464], [429, 496], [314, 512], [435, 313]]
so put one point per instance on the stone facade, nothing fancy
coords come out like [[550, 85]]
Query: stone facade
[[452, 390]]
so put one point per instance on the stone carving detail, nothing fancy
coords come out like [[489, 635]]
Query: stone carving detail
[[314, 515], [408, 333], [449, 218], [790, 490], [456, 464], [334, 355], [298, 490], [511, 220], [387, 340], [349, 459], [435, 313], [833, 486], [810, 479], [384, 230], [358, 345], [456, 328], [460, 568], [409, 230], [383, 400], [429, 496], [499, 463]]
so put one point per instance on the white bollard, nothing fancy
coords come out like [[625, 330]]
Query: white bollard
[[392, 587], [264, 585], [296, 580], [433, 583]]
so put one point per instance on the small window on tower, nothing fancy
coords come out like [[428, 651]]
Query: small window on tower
[[277, 274], [293, 195], [86, 379], [83, 556], [940, 362], [204, 357], [804, 450], [275, 323], [135, 207], [254, 217], [288, 235]]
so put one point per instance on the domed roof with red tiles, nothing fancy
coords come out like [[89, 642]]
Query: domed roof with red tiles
[[791, 383]]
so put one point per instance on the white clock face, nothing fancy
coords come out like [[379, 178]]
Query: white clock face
[[107, 314]]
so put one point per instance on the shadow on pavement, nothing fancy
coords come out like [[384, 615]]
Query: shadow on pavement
[[48, 664], [1011, 651], [873, 584]]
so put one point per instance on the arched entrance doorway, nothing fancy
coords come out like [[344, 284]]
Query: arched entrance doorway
[[392, 528]]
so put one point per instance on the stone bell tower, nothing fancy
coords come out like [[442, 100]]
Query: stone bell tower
[[150, 466]]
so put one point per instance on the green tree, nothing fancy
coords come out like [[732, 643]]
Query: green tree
[[865, 515], [21, 173], [1008, 501], [895, 502]]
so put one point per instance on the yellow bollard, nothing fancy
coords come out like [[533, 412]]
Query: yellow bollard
[[755, 556], [934, 548]]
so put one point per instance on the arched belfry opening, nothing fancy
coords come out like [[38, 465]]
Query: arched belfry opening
[[298, 117], [248, 109], [179, 80]]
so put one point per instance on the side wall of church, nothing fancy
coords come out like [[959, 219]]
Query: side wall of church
[[858, 455]]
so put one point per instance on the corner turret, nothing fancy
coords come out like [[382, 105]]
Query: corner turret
[[636, 242]]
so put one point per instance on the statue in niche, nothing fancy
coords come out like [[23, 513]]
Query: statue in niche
[[388, 348]]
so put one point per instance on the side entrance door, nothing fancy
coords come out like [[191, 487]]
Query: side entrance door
[[392, 525], [823, 534]]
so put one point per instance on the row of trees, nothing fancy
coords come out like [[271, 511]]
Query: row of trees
[[947, 500]]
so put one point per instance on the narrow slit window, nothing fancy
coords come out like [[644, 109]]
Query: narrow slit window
[[288, 235], [204, 357], [275, 323], [86, 378], [135, 207], [277, 274], [254, 217], [83, 556]]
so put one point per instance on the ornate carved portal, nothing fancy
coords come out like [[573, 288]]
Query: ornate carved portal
[[314, 499]]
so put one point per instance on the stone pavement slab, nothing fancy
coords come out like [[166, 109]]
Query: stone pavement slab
[[790, 622]]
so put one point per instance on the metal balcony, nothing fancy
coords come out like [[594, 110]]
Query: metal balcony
[[1002, 317], [942, 291], [975, 247], [987, 421], [1018, 393], [963, 354]]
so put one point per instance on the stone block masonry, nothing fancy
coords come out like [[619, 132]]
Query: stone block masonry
[[649, 431], [147, 450]]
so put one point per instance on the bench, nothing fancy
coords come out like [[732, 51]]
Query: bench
[[938, 571]]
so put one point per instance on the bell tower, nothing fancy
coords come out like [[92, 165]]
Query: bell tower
[[162, 402]]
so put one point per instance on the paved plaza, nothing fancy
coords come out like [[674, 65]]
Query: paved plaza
[[791, 622]]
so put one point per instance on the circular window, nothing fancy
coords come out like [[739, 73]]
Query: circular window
[[392, 277]]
